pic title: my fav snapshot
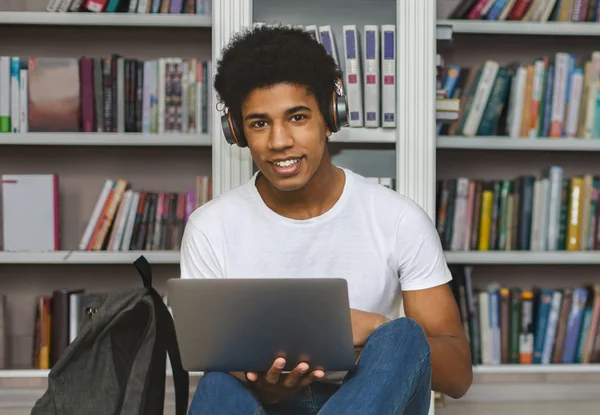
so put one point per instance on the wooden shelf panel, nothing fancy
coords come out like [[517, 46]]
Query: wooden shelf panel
[[84, 257], [522, 28], [106, 139], [106, 19], [518, 144], [523, 258]]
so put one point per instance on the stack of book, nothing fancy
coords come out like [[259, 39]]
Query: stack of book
[[124, 219], [132, 6], [539, 325], [551, 97], [526, 213], [528, 10], [114, 94]]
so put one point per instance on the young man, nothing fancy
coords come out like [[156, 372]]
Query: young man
[[302, 216]]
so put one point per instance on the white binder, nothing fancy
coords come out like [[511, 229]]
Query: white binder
[[388, 76], [371, 78], [353, 76]]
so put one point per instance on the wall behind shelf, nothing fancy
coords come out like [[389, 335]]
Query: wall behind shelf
[[23, 283], [83, 170], [23, 5], [482, 164]]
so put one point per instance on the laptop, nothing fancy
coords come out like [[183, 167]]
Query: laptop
[[243, 325]]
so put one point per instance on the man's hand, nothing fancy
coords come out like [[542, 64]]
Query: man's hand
[[272, 386], [363, 324]]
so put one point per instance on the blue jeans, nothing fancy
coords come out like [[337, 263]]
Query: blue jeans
[[392, 377]]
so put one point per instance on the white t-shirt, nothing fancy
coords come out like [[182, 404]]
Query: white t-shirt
[[381, 242]]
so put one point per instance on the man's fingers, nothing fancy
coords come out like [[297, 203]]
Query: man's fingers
[[312, 377], [272, 376], [296, 375], [251, 376]]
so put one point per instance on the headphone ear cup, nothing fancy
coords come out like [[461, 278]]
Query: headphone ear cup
[[341, 111], [233, 135]]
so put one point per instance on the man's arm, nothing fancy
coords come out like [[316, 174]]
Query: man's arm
[[428, 300], [436, 311]]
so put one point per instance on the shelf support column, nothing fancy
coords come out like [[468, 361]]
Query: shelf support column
[[416, 134], [231, 166]]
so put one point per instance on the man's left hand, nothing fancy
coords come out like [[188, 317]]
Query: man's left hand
[[363, 324]]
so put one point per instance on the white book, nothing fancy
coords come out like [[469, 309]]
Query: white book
[[536, 94], [23, 101], [547, 11], [590, 107], [74, 311], [127, 235], [371, 76], [515, 107], [313, 30], [480, 99], [30, 212], [91, 225], [550, 335], [576, 86], [53, 5], [15, 94], [328, 42], [353, 72], [121, 220], [560, 91], [460, 213], [485, 329], [143, 6], [161, 97], [64, 6], [133, 4], [388, 76]]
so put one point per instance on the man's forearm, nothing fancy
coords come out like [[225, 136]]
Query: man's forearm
[[451, 370]]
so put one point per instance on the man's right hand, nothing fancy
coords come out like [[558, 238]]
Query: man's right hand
[[273, 385]]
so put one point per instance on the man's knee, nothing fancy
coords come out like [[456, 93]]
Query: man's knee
[[217, 381], [402, 336]]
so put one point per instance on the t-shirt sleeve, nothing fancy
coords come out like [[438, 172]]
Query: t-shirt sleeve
[[421, 260], [198, 258]]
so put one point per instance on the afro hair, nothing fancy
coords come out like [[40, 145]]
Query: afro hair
[[271, 54]]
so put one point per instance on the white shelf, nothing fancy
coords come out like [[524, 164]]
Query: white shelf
[[43, 373], [519, 144], [537, 368], [105, 19], [364, 135], [524, 257], [105, 139], [523, 28], [84, 257]]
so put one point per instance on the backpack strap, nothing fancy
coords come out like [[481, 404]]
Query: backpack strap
[[181, 380], [144, 270]]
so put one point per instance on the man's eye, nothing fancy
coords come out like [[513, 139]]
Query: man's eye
[[258, 124], [298, 117]]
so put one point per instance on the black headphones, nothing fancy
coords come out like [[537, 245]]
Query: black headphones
[[336, 119]]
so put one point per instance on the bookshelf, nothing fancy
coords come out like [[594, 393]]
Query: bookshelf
[[496, 157], [166, 161]]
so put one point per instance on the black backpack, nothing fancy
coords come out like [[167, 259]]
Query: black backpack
[[117, 363]]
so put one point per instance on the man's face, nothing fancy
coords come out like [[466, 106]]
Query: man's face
[[286, 134]]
